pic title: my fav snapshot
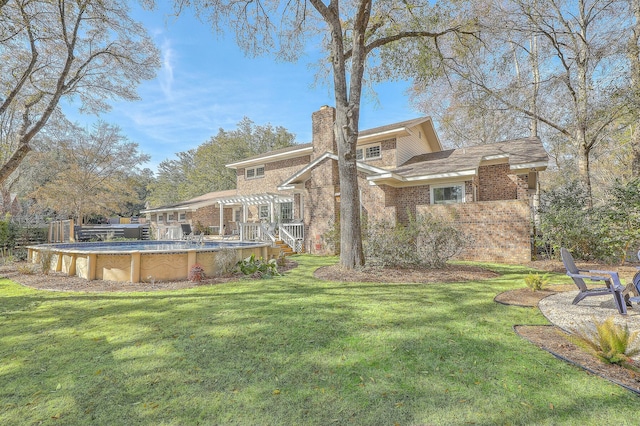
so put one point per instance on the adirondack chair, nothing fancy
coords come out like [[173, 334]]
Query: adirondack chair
[[636, 285], [610, 278], [186, 231]]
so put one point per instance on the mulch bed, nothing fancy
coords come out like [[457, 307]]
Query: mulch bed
[[558, 342]]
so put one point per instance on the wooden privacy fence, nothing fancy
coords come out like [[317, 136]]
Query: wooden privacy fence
[[61, 231]]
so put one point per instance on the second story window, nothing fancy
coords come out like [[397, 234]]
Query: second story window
[[254, 172], [370, 152]]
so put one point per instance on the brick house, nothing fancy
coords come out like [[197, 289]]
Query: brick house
[[487, 190]]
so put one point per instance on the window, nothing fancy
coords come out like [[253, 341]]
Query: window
[[447, 194], [286, 212], [161, 218], [254, 173], [182, 217], [170, 217], [370, 152], [237, 214], [264, 212]]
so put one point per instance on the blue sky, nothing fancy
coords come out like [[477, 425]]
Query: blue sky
[[207, 83]]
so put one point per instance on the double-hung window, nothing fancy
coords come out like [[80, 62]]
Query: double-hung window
[[264, 212], [369, 152], [447, 194], [254, 172]]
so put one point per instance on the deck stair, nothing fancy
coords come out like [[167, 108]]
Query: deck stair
[[284, 247]]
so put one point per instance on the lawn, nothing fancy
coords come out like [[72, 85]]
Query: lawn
[[290, 351]]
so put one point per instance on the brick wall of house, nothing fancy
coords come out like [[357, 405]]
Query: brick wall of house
[[522, 185], [387, 154], [378, 202], [321, 215], [209, 216], [496, 183], [498, 231], [274, 174], [409, 199], [321, 206], [323, 139]]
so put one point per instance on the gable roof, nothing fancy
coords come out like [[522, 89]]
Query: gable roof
[[393, 126], [193, 203], [304, 173], [523, 154], [389, 130], [278, 154]]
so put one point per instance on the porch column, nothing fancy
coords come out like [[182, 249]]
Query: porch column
[[272, 211], [221, 227]]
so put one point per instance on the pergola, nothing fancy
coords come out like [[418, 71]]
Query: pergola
[[245, 201]]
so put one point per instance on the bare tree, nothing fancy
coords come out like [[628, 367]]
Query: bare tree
[[89, 172], [90, 50], [354, 31], [569, 73], [633, 52]]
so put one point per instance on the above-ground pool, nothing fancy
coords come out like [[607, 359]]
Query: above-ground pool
[[136, 261]]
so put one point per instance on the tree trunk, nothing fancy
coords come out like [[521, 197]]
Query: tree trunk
[[535, 69], [583, 163], [634, 60], [351, 252], [347, 98]]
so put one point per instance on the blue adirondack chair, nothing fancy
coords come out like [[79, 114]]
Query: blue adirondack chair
[[611, 279]]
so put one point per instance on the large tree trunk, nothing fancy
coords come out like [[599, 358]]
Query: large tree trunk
[[346, 127], [351, 252]]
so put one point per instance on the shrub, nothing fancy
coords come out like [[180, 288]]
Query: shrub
[[610, 342], [26, 269], [438, 241], [196, 273], [565, 221], [424, 241], [225, 261], [536, 282], [46, 257], [258, 267]]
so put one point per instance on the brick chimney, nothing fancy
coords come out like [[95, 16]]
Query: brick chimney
[[322, 127]]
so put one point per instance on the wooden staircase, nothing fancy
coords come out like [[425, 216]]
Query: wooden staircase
[[284, 247]]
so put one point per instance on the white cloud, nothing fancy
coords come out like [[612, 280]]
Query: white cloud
[[166, 74]]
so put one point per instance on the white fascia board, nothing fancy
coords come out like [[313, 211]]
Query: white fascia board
[[461, 173], [539, 165], [380, 135], [305, 169], [439, 176], [368, 168], [387, 175], [271, 158]]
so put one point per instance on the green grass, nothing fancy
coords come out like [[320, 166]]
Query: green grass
[[290, 351]]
